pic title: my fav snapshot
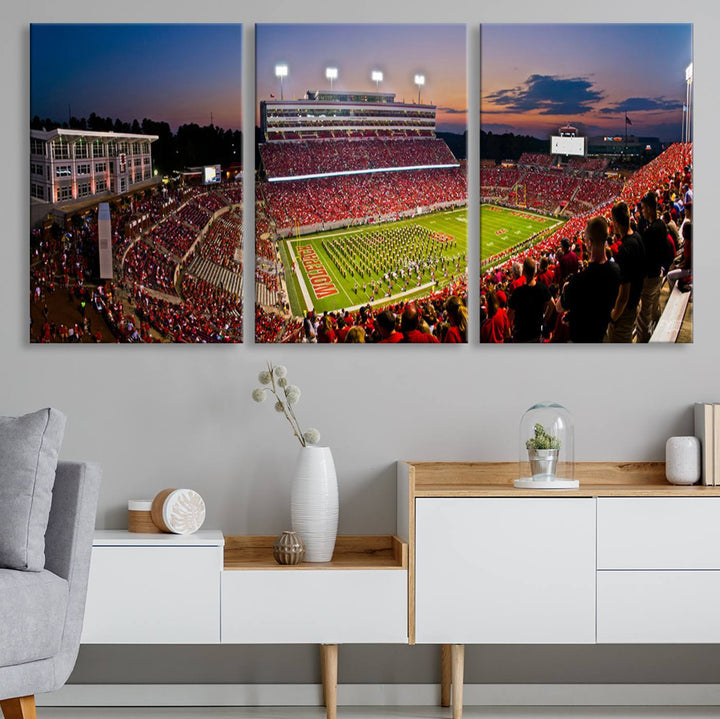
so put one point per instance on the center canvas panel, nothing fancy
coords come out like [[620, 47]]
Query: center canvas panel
[[361, 191]]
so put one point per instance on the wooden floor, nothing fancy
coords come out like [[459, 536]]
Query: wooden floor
[[385, 713]]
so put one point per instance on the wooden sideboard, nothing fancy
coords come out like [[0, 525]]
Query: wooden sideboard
[[623, 559]]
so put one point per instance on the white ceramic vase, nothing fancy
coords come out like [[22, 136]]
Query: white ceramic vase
[[683, 460], [314, 503]]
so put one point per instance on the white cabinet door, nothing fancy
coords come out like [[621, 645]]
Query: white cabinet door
[[658, 532], [658, 607], [288, 606], [153, 595], [506, 570]]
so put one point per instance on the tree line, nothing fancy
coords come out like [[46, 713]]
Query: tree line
[[509, 146]]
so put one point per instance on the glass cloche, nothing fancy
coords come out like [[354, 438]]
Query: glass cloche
[[547, 448]]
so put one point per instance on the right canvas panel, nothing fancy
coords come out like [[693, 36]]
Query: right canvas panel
[[586, 175]]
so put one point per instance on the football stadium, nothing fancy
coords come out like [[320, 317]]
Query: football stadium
[[360, 208], [538, 208], [157, 262], [586, 183]]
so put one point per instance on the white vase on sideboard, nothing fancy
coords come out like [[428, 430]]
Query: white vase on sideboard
[[314, 502]]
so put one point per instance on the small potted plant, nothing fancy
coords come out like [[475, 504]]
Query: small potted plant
[[543, 452]]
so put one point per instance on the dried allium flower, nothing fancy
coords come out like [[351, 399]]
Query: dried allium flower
[[258, 394], [312, 436], [264, 377]]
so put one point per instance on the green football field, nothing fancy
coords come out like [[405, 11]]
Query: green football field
[[346, 268], [501, 228]]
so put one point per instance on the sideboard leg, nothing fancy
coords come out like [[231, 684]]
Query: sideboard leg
[[322, 673], [329, 661], [446, 675], [458, 671]]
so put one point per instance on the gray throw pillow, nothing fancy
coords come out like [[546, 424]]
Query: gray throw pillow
[[29, 448]]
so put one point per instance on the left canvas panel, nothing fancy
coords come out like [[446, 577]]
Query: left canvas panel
[[135, 183]]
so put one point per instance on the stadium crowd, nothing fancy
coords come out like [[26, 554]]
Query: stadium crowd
[[309, 157], [356, 198], [599, 276], [151, 231]]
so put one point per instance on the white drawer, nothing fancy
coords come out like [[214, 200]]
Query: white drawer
[[505, 570], [658, 532], [658, 607], [306, 606], [153, 595]]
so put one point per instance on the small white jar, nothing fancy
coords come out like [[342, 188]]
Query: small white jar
[[682, 460]]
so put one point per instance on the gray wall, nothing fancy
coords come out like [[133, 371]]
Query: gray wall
[[161, 416]]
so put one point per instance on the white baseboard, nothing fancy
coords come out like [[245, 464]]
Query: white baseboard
[[250, 695]]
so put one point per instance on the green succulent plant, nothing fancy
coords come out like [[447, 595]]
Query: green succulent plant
[[542, 440]]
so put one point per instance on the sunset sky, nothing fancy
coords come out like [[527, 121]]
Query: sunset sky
[[536, 78], [173, 73], [400, 51]]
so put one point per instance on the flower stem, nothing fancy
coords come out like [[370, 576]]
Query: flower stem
[[287, 410]]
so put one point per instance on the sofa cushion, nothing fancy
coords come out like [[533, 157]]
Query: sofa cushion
[[32, 615], [29, 447]]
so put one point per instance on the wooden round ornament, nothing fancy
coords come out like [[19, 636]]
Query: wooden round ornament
[[179, 511], [140, 516]]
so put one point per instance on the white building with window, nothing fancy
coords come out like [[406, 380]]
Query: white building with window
[[68, 166]]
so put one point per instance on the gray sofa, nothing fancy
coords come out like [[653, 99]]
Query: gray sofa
[[41, 613]]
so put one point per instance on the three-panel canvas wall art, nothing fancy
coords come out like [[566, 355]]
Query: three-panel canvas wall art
[[361, 174]]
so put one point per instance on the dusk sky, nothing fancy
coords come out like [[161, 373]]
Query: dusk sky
[[173, 73], [536, 78], [400, 51]]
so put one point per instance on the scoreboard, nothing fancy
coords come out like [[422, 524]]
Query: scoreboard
[[562, 145]]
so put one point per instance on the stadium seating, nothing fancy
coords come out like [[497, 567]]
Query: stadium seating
[[358, 197], [313, 157], [664, 174]]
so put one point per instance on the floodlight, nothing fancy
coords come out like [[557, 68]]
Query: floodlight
[[689, 73], [281, 71], [377, 78], [419, 81], [331, 74]]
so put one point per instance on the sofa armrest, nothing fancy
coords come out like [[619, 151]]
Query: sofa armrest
[[68, 545]]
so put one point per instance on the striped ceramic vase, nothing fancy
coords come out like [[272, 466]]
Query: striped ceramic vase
[[314, 503]]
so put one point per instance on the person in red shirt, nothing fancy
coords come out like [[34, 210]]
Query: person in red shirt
[[385, 323], [326, 333], [567, 263], [545, 275], [409, 327], [457, 316], [496, 328], [518, 279]]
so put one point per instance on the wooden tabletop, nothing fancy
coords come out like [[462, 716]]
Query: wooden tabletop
[[597, 479]]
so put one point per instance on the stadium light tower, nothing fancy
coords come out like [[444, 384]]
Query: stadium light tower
[[281, 71], [377, 78], [331, 74], [419, 81]]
